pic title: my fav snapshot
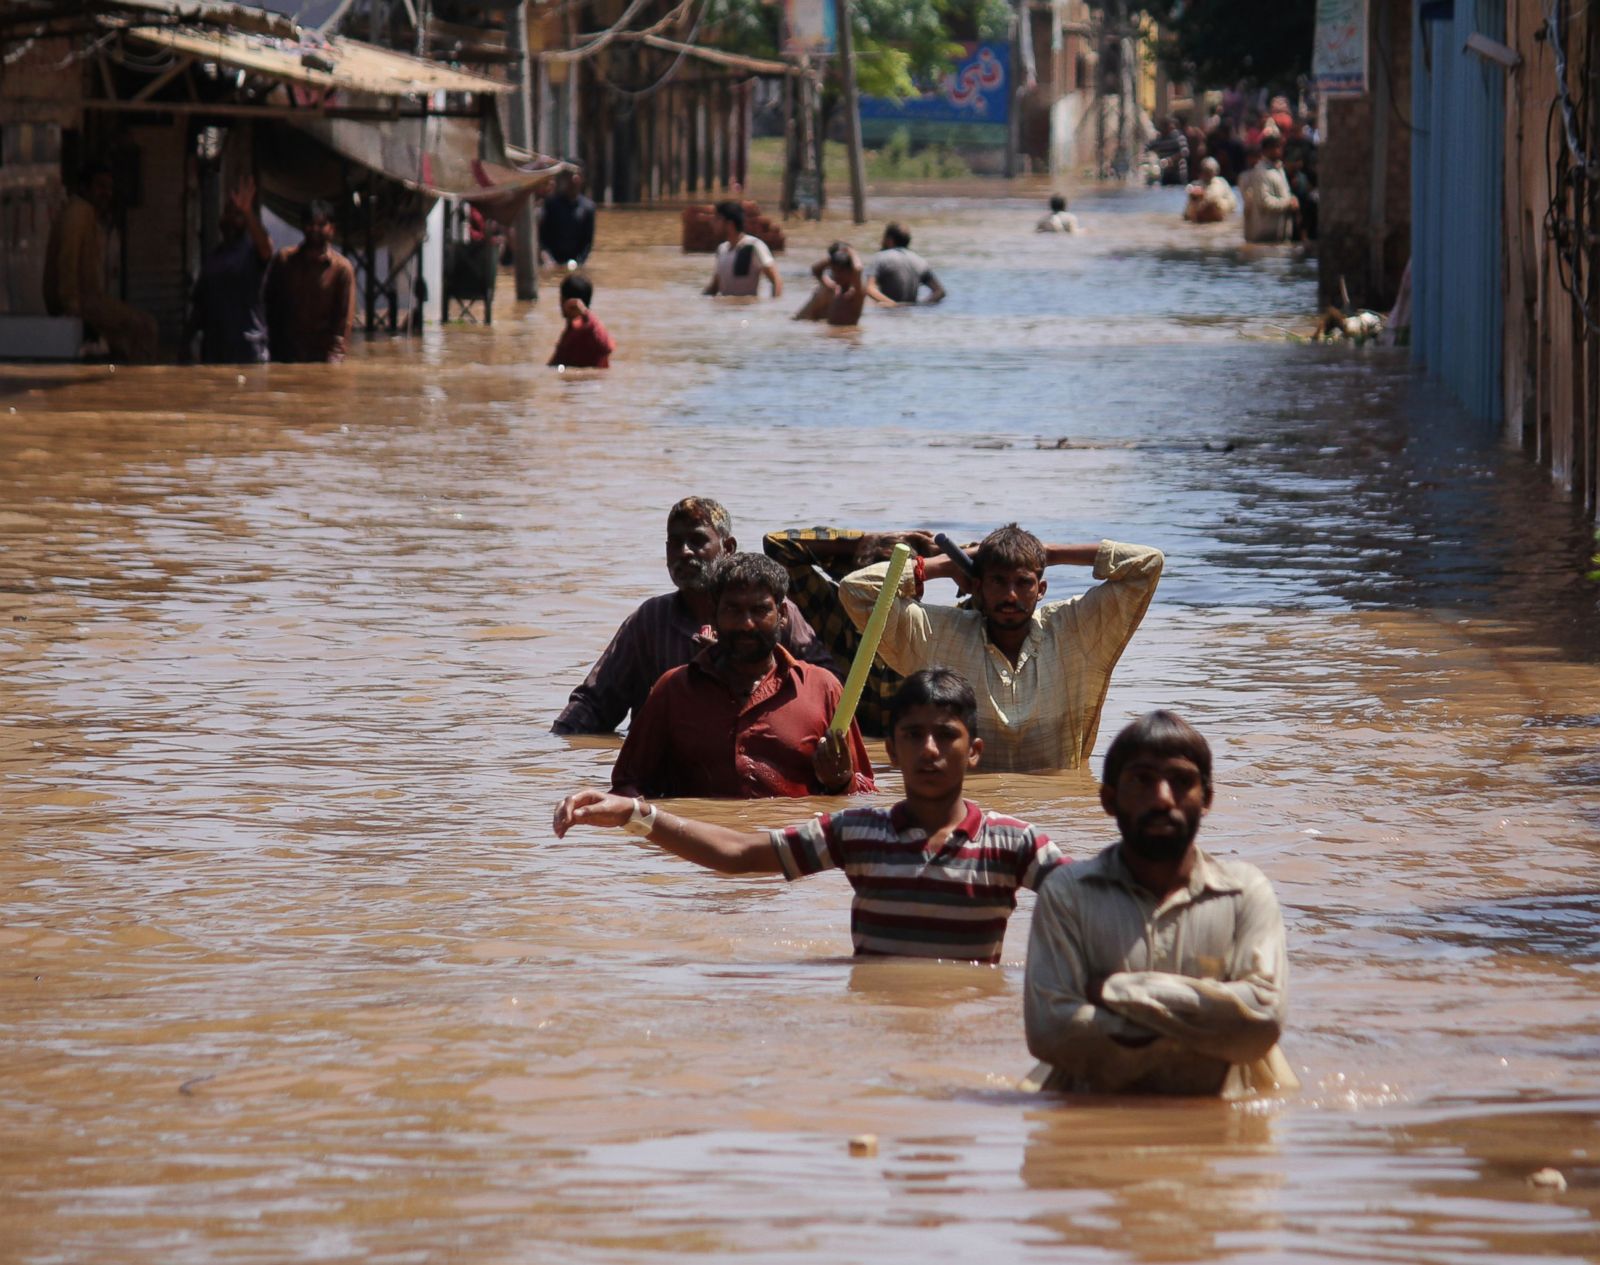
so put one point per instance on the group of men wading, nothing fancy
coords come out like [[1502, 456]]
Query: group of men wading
[[1152, 966]]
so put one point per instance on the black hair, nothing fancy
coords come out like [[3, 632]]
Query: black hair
[[897, 233], [1161, 734], [1010, 548], [748, 570], [732, 212], [577, 286], [936, 687], [1057, 202], [317, 209], [839, 255]]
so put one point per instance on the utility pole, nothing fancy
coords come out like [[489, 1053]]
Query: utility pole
[[852, 108], [527, 242]]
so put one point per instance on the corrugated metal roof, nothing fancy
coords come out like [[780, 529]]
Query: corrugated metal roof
[[346, 65]]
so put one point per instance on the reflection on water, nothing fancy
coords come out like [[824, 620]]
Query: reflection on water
[[293, 970]]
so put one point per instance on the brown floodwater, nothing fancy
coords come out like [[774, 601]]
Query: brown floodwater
[[292, 968]]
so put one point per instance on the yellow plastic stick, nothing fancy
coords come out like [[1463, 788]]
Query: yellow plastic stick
[[871, 635]]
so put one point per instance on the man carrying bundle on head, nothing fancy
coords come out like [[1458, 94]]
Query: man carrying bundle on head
[[1040, 669], [935, 876]]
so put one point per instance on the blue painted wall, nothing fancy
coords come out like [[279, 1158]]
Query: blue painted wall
[[1457, 173]]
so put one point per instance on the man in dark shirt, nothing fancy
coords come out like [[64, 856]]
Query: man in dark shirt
[[566, 222], [667, 631], [311, 295], [743, 719], [229, 307]]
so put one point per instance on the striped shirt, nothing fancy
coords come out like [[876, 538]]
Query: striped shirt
[[948, 902], [661, 635], [1043, 711]]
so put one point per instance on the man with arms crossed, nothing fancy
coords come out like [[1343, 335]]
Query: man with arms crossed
[[1154, 967], [1040, 670], [935, 876], [667, 631]]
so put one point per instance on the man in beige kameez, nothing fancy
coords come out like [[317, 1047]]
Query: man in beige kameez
[[1154, 967], [1040, 669]]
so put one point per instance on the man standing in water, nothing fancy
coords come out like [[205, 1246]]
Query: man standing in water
[[1154, 967], [76, 281], [898, 273], [743, 719], [311, 295], [935, 876], [742, 260], [1041, 670], [229, 310], [566, 222], [667, 631]]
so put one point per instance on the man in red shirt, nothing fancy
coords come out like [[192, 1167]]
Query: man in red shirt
[[743, 719], [584, 343]]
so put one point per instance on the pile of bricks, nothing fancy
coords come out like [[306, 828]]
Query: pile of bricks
[[700, 229]]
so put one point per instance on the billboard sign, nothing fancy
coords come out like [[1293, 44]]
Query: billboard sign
[[971, 103], [1339, 55], [809, 28]]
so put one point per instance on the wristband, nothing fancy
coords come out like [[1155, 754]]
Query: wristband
[[643, 820], [919, 573]]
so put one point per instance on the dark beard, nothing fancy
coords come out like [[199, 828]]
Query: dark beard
[[749, 647], [1154, 847]]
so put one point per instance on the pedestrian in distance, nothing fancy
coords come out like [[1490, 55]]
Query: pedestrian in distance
[[311, 295], [1155, 967], [742, 260], [584, 343], [898, 275], [935, 876], [229, 300], [1060, 220]]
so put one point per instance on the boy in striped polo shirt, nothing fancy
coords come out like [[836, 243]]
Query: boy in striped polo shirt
[[935, 876]]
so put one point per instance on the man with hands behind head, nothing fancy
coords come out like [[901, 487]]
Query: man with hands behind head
[[1040, 669]]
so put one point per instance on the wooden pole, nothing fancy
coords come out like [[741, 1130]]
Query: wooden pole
[[852, 112], [521, 103]]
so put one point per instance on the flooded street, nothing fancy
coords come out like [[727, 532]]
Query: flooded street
[[293, 969]]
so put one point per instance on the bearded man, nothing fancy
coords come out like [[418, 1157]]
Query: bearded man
[[1154, 967], [743, 719], [669, 630]]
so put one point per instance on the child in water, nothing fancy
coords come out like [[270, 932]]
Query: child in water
[[584, 343], [842, 289]]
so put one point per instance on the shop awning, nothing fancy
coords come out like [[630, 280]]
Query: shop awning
[[324, 64], [439, 157]]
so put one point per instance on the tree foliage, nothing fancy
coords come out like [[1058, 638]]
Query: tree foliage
[[901, 45], [1219, 42]]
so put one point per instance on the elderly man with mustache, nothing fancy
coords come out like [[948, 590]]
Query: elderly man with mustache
[[669, 630]]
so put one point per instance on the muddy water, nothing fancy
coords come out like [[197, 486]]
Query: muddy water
[[291, 968]]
